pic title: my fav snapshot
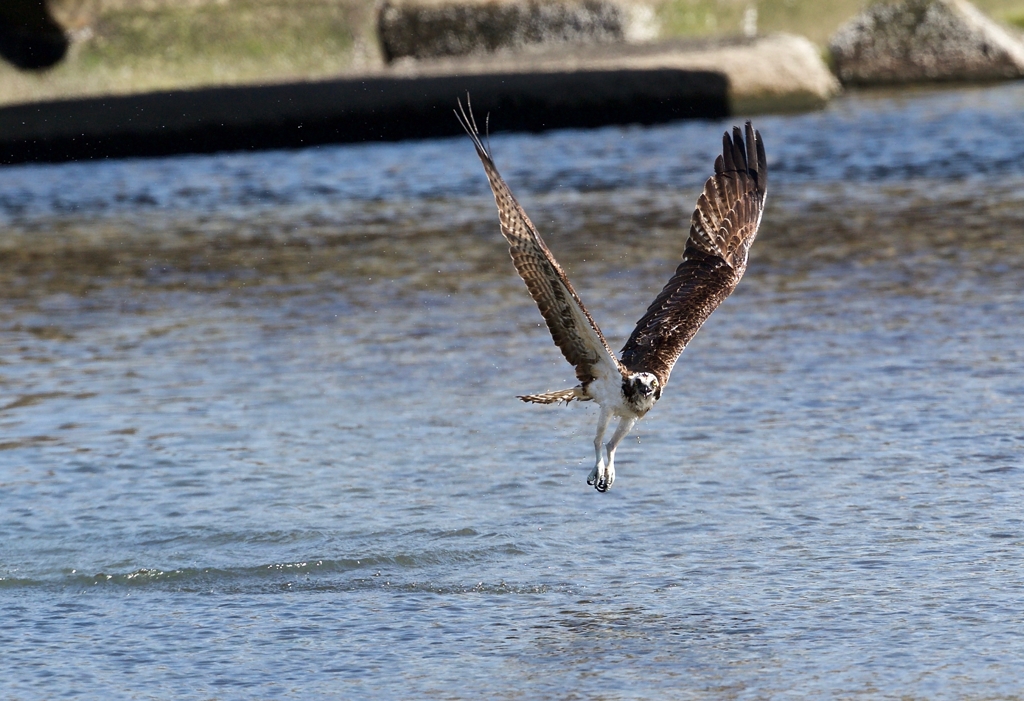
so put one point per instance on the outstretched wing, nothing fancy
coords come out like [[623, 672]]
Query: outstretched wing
[[722, 229], [571, 326]]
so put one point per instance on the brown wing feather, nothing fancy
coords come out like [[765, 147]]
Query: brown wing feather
[[722, 229], [571, 326]]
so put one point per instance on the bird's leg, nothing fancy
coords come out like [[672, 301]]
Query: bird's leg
[[602, 426], [625, 425]]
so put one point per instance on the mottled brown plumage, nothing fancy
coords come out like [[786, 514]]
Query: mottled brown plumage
[[722, 228], [571, 325]]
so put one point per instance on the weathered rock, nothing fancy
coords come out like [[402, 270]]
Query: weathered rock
[[922, 41], [436, 28]]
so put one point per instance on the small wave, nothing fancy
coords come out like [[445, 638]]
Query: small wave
[[338, 573]]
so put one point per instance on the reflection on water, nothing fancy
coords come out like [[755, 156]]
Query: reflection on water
[[258, 434]]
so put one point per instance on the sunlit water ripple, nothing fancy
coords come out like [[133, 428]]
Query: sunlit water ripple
[[258, 433]]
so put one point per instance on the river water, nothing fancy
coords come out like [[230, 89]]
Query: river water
[[259, 438]]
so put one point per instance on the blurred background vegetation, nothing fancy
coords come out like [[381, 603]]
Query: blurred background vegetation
[[815, 19], [124, 46]]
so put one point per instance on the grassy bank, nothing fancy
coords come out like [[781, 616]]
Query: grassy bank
[[810, 18], [125, 46], [146, 45]]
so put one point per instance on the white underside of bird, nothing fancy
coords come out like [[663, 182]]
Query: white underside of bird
[[610, 397], [626, 397]]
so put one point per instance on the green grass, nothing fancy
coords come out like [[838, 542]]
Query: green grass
[[311, 35], [814, 19], [244, 41], [140, 45], [1016, 19]]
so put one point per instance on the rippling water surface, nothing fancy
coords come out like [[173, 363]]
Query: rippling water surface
[[259, 439]]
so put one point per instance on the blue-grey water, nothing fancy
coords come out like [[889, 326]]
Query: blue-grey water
[[259, 438]]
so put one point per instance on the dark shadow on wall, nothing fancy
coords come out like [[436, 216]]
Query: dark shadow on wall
[[29, 36], [353, 110]]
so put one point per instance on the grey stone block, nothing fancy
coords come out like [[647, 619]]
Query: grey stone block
[[924, 41], [424, 29]]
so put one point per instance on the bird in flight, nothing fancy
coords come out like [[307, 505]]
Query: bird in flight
[[722, 228]]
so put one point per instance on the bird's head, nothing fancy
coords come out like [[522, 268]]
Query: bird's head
[[642, 390]]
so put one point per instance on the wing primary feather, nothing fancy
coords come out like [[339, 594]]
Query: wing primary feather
[[487, 126], [762, 160], [739, 159], [723, 226]]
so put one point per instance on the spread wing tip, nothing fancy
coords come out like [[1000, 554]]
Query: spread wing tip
[[743, 152], [468, 122]]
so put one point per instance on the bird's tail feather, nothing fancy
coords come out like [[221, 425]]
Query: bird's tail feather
[[560, 395]]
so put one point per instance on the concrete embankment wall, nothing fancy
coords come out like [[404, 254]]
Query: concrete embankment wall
[[572, 87], [345, 111]]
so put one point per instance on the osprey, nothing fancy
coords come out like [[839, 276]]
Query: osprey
[[722, 228]]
